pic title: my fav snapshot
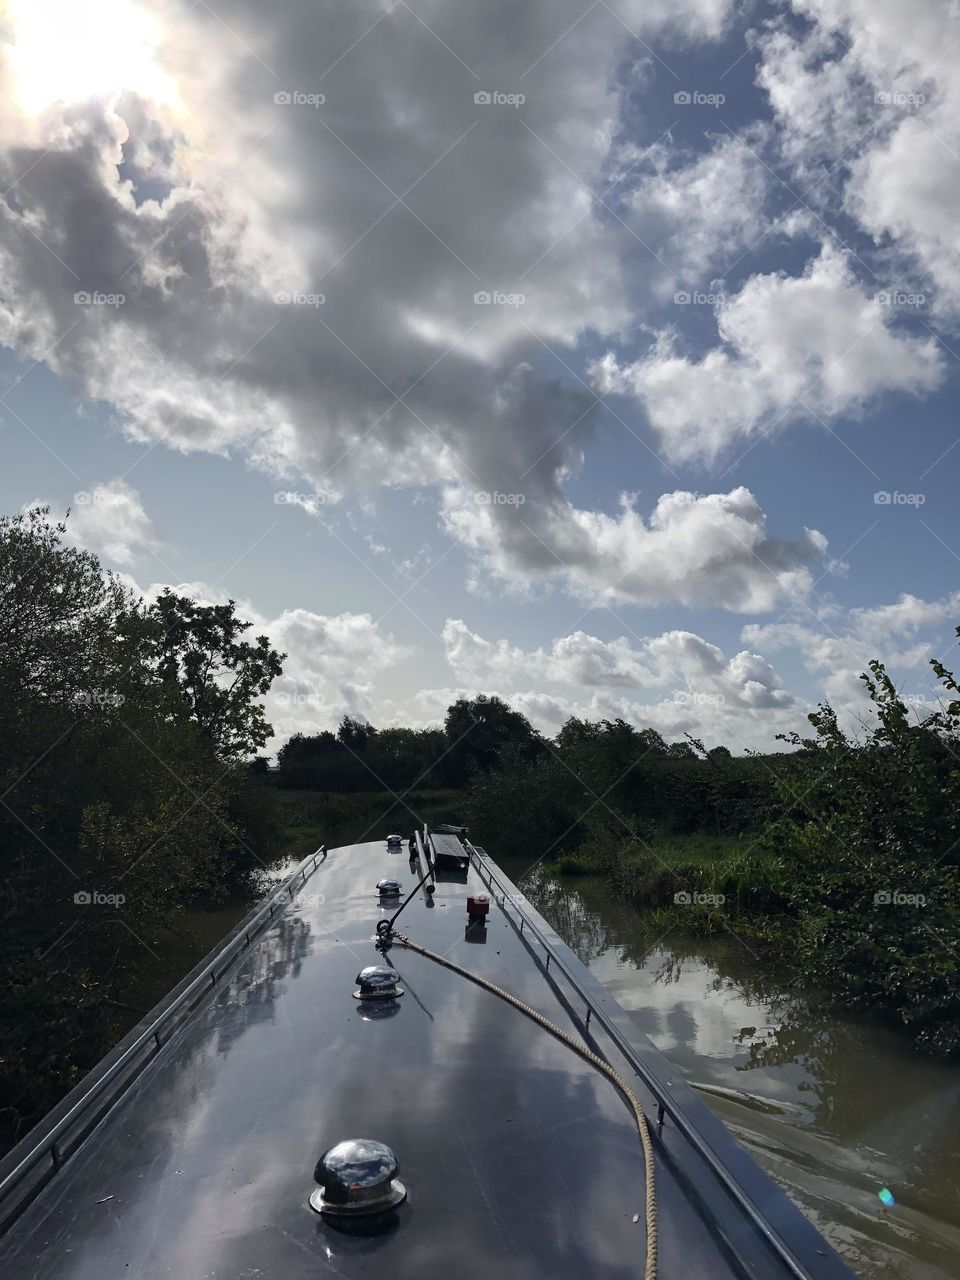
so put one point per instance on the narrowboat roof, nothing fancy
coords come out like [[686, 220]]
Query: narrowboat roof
[[190, 1150]]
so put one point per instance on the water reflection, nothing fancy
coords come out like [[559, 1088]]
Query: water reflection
[[836, 1107], [256, 985]]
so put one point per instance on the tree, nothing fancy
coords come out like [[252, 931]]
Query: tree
[[355, 734], [206, 667], [118, 807], [870, 841], [69, 634], [478, 730]]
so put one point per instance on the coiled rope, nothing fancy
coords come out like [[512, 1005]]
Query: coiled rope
[[650, 1269]]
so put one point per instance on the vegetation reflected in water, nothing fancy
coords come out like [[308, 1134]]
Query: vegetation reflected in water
[[835, 1107]]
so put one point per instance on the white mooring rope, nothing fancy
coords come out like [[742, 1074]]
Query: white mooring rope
[[650, 1270]]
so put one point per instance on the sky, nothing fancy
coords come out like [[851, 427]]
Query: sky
[[600, 356]]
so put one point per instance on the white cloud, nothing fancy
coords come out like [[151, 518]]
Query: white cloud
[[842, 643], [578, 658], [109, 519], [700, 690], [707, 549], [693, 19], [793, 346], [871, 91], [331, 666], [229, 199], [702, 216], [330, 669]]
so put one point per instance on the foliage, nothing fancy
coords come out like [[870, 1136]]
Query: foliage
[[475, 737], [479, 732], [359, 758], [870, 840], [841, 857], [525, 808], [212, 675], [121, 798], [312, 818]]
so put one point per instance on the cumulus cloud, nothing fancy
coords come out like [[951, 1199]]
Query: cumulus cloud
[[109, 519], [700, 689], [332, 662], [871, 92], [703, 215], [711, 549], [294, 281], [792, 346], [330, 671], [375, 217], [574, 659], [839, 645], [679, 682]]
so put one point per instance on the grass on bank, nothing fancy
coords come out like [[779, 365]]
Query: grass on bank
[[312, 818], [706, 880]]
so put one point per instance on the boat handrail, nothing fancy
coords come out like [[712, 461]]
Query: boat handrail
[[665, 1104]]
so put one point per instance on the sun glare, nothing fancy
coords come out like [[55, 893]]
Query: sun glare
[[62, 51]]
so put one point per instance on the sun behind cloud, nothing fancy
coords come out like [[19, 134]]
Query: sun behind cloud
[[58, 51]]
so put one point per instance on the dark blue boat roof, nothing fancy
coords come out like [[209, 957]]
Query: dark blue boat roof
[[190, 1151]]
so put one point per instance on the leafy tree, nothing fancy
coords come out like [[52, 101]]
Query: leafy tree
[[870, 841], [529, 807], [118, 807], [206, 666], [355, 734], [478, 730]]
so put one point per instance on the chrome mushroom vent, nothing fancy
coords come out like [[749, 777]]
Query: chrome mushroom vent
[[388, 888], [356, 1177], [378, 982]]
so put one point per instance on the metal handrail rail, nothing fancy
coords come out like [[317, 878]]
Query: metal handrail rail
[[204, 979], [665, 1104]]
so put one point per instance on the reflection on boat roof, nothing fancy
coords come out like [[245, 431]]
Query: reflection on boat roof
[[516, 1155]]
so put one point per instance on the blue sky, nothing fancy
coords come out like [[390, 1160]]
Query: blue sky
[[241, 341]]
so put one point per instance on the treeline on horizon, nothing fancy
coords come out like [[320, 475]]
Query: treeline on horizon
[[838, 859], [679, 787]]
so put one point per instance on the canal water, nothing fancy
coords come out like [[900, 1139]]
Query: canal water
[[837, 1109]]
